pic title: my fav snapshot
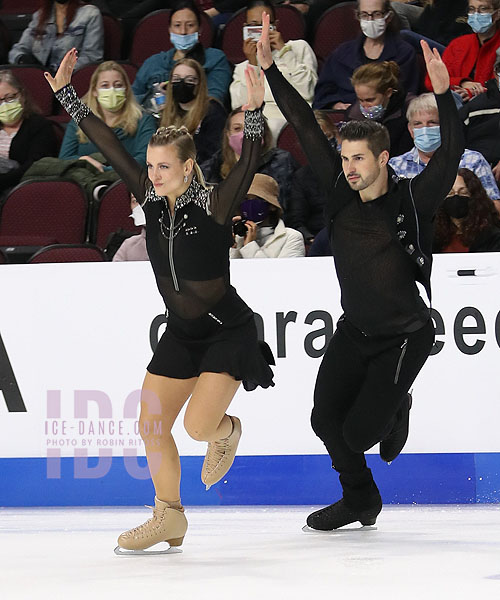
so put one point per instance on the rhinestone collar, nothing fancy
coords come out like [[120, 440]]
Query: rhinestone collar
[[195, 193]]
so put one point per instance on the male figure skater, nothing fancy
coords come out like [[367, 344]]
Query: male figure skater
[[381, 231]]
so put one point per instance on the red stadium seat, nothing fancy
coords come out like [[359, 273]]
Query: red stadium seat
[[290, 23], [335, 26], [288, 140], [113, 36], [19, 6], [151, 35], [65, 253], [43, 212], [112, 214]]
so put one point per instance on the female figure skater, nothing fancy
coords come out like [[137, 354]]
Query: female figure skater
[[210, 344]]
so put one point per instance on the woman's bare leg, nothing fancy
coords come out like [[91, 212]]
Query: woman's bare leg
[[161, 401]]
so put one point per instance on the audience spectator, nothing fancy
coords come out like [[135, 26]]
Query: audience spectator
[[221, 11], [423, 124], [305, 211], [295, 59], [25, 136], [470, 58], [380, 41], [408, 13], [467, 221], [188, 104], [263, 233], [184, 28], [274, 161], [381, 96], [481, 118], [134, 247], [321, 245], [110, 97], [56, 28], [443, 20]]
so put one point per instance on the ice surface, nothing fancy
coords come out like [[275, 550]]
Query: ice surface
[[258, 553]]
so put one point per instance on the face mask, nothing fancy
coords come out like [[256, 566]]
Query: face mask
[[456, 207], [236, 142], [10, 112], [184, 42], [480, 23], [138, 216], [373, 29], [427, 139], [183, 92], [111, 98], [254, 209], [372, 112]]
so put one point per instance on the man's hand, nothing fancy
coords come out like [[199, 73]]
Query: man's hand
[[250, 51], [438, 73], [264, 53]]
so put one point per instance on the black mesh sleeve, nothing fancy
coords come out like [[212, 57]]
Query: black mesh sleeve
[[133, 175], [228, 195], [323, 159]]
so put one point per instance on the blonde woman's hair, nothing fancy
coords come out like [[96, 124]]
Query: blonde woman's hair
[[182, 140], [383, 75], [423, 103], [173, 113], [130, 114]]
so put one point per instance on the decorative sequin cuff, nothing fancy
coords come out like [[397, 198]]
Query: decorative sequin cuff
[[76, 109], [254, 125]]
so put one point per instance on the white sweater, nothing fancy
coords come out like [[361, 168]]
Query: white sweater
[[284, 243]]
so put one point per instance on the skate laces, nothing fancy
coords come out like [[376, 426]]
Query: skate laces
[[217, 451], [158, 514]]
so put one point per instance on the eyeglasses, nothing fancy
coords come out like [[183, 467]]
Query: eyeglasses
[[373, 16], [190, 80], [10, 98], [482, 10]]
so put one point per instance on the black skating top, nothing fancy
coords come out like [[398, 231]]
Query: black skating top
[[189, 249], [381, 248]]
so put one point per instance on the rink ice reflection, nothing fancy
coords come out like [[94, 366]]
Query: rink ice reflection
[[258, 553]]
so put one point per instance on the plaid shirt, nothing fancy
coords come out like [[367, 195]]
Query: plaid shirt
[[409, 164]]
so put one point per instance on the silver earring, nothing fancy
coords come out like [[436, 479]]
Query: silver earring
[[185, 178]]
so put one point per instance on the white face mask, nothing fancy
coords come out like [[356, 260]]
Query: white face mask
[[374, 29], [138, 216]]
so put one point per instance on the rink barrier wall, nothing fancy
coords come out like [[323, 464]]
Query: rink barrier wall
[[258, 480], [75, 340]]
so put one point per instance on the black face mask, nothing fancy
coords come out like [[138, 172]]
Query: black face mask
[[183, 92], [456, 207]]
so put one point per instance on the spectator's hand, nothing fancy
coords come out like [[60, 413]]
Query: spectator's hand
[[251, 235], [264, 45], [250, 51], [64, 72], [462, 92], [276, 40], [475, 87], [212, 12], [341, 106], [99, 166], [496, 171], [255, 88], [437, 70]]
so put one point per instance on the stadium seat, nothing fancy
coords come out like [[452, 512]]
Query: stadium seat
[[64, 253], [336, 26], [113, 36]]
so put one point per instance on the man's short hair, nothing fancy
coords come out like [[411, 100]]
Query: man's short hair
[[423, 103], [375, 134]]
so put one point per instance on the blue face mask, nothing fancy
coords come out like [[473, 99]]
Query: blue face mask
[[184, 42], [480, 23], [427, 139], [372, 112]]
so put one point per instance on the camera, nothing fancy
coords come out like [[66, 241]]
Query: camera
[[240, 228]]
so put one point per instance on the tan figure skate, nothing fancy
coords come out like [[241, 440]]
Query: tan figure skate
[[166, 525], [220, 455]]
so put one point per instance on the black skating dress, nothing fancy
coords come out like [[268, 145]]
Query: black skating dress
[[209, 327]]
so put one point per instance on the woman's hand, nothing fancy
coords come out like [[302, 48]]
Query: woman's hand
[[64, 72], [255, 88], [99, 166], [251, 235], [475, 87], [264, 53]]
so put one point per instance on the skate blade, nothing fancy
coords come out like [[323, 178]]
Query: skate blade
[[123, 552], [340, 530]]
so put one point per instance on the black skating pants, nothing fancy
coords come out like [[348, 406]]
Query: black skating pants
[[360, 386]]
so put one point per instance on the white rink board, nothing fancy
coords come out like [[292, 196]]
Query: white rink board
[[81, 327]]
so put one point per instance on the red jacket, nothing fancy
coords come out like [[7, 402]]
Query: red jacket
[[464, 53]]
